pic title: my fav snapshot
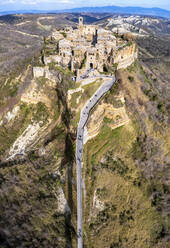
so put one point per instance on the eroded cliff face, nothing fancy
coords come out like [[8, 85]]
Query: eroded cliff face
[[113, 114], [126, 56]]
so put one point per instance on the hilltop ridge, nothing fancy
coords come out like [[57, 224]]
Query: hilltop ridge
[[159, 12]]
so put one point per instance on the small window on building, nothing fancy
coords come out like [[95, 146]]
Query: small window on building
[[91, 65]]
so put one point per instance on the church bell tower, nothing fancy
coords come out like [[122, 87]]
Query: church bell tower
[[80, 23]]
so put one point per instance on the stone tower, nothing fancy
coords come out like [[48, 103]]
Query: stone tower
[[80, 21]]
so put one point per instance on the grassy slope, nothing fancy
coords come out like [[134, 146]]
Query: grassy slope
[[133, 216], [76, 107]]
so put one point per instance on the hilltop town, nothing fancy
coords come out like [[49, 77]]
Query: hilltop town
[[54, 83], [88, 48]]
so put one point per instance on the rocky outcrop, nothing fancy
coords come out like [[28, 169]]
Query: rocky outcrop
[[125, 56], [10, 115], [95, 121], [62, 202], [70, 92], [97, 206], [52, 59], [113, 116], [25, 139], [38, 72], [43, 72], [33, 95], [56, 35]]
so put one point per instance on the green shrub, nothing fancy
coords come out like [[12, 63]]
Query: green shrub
[[64, 34], [129, 43], [115, 65], [107, 120], [161, 106], [41, 112], [41, 80], [131, 79], [155, 97], [52, 66]]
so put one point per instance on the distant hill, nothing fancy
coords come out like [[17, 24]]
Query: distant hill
[[13, 12], [106, 9], [124, 10]]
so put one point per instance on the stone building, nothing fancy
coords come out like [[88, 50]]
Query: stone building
[[91, 47]]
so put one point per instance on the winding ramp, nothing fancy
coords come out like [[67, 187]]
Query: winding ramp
[[84, 116]]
